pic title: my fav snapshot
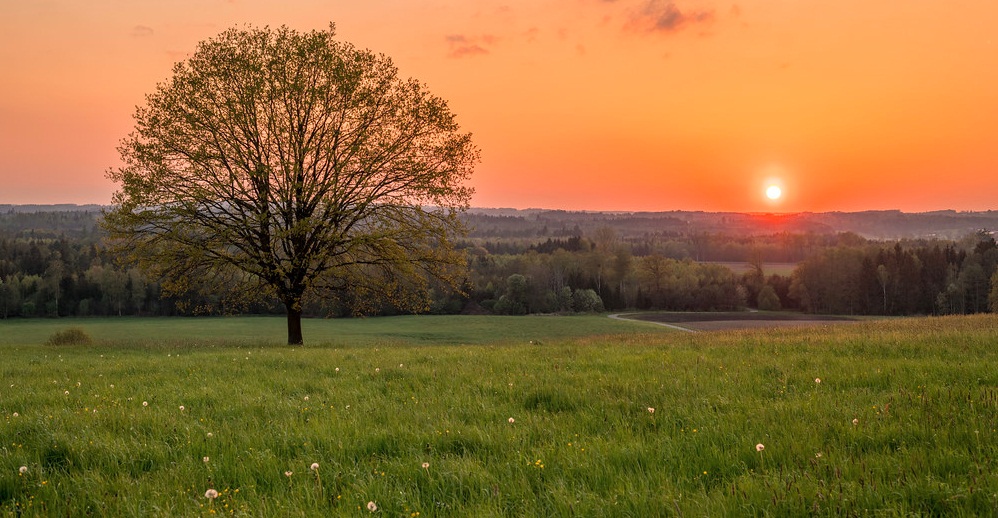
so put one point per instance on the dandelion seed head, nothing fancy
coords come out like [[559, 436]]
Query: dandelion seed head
[[145, 403], [817, 380], [426, 465], [855, 422], [66, 393], [314, 466], [371, 506], [16, 414], [181, 408], [22, 470], [210, 435], [288, 473], [206, 459], [651, 410], [511, 420], [306, 398], [211, 494], [759, 447]]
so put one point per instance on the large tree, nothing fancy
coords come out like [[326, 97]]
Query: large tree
[[292, 165]]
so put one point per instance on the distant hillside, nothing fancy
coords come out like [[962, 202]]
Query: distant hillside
[[62, 207], [880, 225], [542, 223], [50, 221]]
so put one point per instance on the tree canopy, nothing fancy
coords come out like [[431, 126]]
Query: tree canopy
[[294, 165]]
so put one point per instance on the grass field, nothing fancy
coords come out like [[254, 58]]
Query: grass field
[[738, 320], [264, 331], [595, 418]]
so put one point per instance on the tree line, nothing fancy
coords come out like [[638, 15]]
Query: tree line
[[54, 264], [902, 279]]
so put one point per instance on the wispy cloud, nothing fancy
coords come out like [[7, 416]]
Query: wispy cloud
[[461, 46], [141, 31], [665, 16]]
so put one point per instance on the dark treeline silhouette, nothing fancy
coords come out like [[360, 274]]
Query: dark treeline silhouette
[[907, 278], [52, 263]]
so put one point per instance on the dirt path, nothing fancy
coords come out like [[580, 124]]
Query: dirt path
[[616, 316]]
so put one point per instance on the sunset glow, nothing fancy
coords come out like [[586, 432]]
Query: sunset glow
[[575, 104]]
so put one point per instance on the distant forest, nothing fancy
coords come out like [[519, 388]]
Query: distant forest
[[53, 264]]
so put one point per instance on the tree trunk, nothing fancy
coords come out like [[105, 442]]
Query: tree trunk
[[294, 326]]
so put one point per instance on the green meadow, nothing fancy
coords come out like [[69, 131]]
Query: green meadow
[[498, 416]]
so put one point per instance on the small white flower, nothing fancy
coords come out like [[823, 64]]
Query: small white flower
[[211, 494], [759, 447]]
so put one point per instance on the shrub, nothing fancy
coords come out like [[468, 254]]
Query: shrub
[[587, 301], [768, 299], [71, 336]]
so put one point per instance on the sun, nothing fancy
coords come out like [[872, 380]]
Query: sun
[[774, 192]]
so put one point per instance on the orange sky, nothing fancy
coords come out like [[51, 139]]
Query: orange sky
[[575, 104]]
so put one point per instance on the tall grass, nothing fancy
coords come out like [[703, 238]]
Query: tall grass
[[902, 422]]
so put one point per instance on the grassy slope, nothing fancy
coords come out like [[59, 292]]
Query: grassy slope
[[412, 330], [924, 394]]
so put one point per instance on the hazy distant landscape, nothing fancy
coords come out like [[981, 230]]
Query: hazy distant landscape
[[53, 263], [879, 224]]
